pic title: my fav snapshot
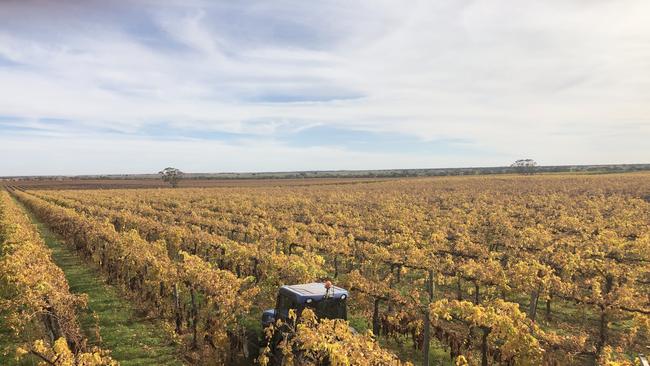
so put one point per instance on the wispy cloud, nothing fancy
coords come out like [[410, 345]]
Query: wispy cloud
[[434, 83]]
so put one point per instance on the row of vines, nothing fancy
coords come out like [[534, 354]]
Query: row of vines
[[35, 302], [516, 270], [206, 308]]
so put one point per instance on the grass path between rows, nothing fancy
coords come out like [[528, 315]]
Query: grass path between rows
[[132, 339]]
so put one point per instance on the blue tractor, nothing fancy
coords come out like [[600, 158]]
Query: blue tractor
[[326, 300]]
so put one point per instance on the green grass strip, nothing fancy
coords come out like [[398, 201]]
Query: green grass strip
[[132, 339]]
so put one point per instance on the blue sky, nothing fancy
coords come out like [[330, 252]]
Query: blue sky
[[131, 86]]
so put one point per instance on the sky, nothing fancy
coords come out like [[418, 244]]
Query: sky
[[110, 87]]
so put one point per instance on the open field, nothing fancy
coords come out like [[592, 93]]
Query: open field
[[534, 270], [73, 183]]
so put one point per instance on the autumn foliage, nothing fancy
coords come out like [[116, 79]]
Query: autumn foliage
[[549, 270], [36, 302]]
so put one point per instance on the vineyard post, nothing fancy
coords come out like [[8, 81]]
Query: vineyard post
[[484, 346], [177, 310], [195, 313], [603, 324], [375, 317], [427, 319], [336, 266]]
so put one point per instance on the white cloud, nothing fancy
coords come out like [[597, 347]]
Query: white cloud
[[561, 81]]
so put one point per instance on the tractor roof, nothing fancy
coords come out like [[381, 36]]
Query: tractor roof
[[315, 291]]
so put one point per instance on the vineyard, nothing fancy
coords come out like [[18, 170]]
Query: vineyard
[[39, 312], [541, 270]]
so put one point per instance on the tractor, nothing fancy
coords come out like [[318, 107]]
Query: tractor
[[326, 300]]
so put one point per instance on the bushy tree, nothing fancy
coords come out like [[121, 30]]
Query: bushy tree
[[171, 176], [525, 166]]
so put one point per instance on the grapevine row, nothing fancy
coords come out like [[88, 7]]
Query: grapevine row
[[587, 252], [37, 304]]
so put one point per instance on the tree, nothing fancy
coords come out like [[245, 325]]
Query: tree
[[524, 166], [171, 176]]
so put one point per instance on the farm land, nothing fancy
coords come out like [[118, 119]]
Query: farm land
[[533, 270]]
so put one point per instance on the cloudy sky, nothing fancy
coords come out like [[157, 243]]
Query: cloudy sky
[[208, 86]]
